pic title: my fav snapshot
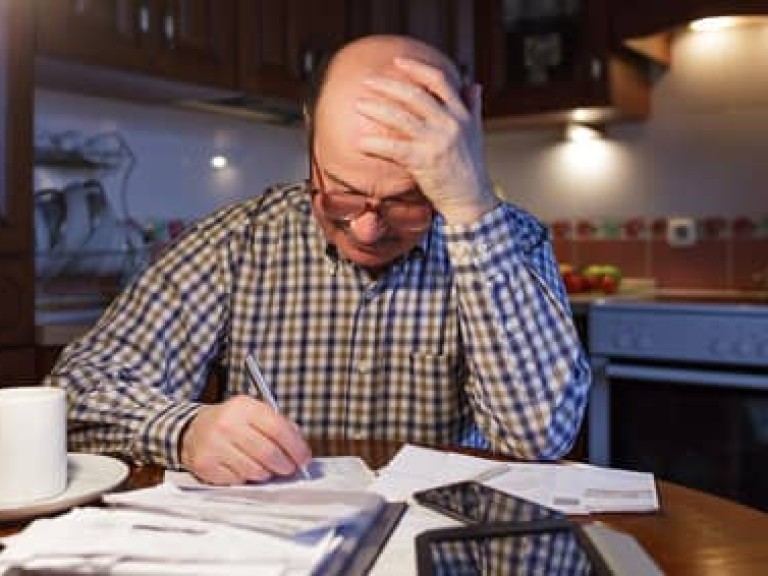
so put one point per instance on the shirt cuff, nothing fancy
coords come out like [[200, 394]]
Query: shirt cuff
[[160, 441], [500, 237]]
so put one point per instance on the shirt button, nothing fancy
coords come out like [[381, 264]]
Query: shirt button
[[364, 367]]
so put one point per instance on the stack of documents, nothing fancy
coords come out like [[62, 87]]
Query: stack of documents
[[104, 541], [291, 526]]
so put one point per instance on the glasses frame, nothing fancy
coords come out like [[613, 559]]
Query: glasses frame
[[367, 204]]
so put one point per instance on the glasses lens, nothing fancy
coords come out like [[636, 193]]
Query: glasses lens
[[407, 215], [401, 214], [342, 206]]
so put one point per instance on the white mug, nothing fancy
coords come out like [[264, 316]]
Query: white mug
[[33, 444]]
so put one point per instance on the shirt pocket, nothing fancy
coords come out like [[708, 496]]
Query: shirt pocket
[[425, 398]]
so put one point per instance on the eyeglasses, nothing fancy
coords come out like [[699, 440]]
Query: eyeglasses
[[413, 215]]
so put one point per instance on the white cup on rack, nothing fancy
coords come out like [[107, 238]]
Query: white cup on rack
[[33, 444]]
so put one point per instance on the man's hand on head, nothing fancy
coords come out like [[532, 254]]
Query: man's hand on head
[[432, 133], [241, 440]]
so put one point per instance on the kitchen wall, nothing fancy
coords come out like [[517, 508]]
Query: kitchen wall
[[172, 177], [701, 155]]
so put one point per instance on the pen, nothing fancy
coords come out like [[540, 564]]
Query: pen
[[266, 393]]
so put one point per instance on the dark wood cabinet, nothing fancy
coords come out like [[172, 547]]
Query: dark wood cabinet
[[280, 42], [185, 40], [445, 24], [643, 19], [266, 49], [647, 27], [16, 239], [540, 61]]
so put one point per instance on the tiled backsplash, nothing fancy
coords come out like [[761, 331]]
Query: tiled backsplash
[[722, 253]]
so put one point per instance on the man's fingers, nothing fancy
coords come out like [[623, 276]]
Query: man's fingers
[[287, 438], [392, 117], [240, 440], [392, 149], [406, 94], [434, 80], [277, 442]]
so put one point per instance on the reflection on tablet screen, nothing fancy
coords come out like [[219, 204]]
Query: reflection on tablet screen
[[482, 504], [546, 554]]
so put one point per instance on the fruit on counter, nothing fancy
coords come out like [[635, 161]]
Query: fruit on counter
[[574, 282], [608, 285], [604, 278]]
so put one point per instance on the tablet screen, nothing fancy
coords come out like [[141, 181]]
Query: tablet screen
[[550, 553]]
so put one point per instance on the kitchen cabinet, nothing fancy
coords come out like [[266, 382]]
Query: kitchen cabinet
[[281, 42], [647, 27], [446, 24], [185, 40], [540, 60], [16, 238]]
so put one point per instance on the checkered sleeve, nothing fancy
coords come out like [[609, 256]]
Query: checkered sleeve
[[132, 380], [528, 374]]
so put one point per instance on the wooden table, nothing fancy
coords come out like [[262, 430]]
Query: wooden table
[[694, 534]]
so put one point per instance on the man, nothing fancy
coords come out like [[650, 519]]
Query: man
[[391, 296]]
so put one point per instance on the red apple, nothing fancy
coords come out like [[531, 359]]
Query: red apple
[[609, 285], [574, 283]]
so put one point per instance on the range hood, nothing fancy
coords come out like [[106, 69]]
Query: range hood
[[249, 108]]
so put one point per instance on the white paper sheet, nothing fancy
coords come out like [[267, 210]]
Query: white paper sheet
[[415, 468], [328, 473], [131, 541], [289, 512]]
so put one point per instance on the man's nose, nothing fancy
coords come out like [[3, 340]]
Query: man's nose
[[368, 228]]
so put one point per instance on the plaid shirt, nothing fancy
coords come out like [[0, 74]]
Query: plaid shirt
[[466, 339]]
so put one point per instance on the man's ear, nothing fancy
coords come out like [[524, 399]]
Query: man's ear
[[308, 125]]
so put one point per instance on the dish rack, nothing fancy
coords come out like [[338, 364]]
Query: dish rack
[[88, 247]]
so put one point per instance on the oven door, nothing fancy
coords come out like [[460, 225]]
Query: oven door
[[706, 429]]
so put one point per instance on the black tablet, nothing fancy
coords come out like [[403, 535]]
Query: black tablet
[[539, 547]]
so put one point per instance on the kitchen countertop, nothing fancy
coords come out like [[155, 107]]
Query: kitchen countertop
[[62, 330], [57, 335]]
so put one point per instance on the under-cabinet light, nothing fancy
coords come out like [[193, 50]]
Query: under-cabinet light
[[218, 162], [715, 23], [582, 133]]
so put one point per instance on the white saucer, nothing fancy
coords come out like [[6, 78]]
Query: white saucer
[[88, 477]]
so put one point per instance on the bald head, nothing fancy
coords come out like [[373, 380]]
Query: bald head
[[369, 56], [336, 124]]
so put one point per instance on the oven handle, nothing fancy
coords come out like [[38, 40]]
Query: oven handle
[[685, 376]]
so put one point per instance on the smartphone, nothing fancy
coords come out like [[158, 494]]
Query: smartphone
[[475, 503]]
